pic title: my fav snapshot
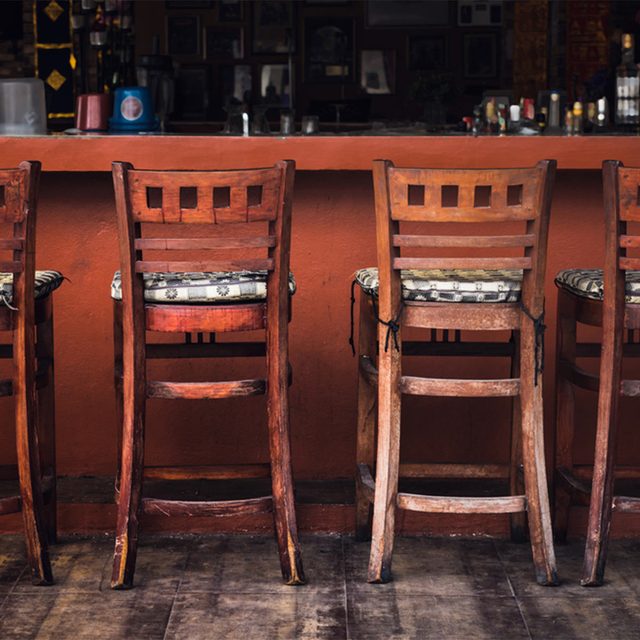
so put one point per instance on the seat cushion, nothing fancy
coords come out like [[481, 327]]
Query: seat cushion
[[202, 286], [46, 282], [450, 285], [589, 283]]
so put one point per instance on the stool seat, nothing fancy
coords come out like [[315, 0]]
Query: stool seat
[[589, 283], [202, 286], [45, 283], [450, 285]]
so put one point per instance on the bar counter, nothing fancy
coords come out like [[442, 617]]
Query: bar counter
[[315, 153], [333, 236]]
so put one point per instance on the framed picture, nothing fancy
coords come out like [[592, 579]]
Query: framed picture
[[236, 82], [480, 55], [273, 26], [479, 14], [378, 71], [329, 49], [275, 85], [223, 42], [183, 35], [188, 4], [427, 52], [192, 92], [407, 13], [230, 11]]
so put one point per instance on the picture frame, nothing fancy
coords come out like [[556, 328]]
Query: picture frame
[[329, 54], [480, 14], [273, 30], [230, 11], [183, 35], [192, 92], [226, 43], [480, 55], [378, 71], [188, 4], [406, 13], [427, 52], [275, 85], [236, 81]]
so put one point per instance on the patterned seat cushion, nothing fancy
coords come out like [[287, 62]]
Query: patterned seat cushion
[[589, 283], [450, 285], [46, 282], [203, 286]]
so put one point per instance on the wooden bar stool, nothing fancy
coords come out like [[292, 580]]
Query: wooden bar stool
[[26, 311], [161, 293], [453, 293], [610, 299]]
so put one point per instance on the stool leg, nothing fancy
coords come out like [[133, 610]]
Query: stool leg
[[535, 476], [365, 447], [565, 412], [518, 521], [280, 450], [600, 508], [132, 460], [47, 419], [24, 393], [388, 461]]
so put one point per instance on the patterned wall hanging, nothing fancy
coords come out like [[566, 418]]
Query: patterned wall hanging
[[54, 59], [587, 45], [531, 26]]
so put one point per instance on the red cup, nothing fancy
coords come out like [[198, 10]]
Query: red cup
[[93, 111]]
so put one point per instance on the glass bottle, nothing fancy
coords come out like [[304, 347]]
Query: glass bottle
[[627, 85]]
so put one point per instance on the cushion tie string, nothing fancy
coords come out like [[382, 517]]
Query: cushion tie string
[[539, 328], [393, 325], [354, 282]]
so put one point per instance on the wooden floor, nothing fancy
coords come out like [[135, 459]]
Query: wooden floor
[[228, 587]]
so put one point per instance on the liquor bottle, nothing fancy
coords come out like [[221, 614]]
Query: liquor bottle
[[578, 113], [627, 85]]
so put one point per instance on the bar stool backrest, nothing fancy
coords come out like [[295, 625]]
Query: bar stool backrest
[[224, 204], [450, 198], [621, 188], [18, 207]]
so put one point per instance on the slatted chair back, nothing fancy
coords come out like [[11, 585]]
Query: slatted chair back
[[451, 198], [621, 190], [18, 202], [210, 199]]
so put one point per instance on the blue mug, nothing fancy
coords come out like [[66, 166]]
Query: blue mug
[[133, 110]]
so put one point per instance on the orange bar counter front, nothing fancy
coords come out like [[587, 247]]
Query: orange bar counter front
[[333, 236]]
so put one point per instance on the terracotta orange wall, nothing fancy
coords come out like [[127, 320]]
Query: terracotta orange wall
[[333, 235]]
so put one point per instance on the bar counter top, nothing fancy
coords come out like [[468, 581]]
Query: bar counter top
[[60, 152]]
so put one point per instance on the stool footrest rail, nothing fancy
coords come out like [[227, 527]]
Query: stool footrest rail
[[155, 506]]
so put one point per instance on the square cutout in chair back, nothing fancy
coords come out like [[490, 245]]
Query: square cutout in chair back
[[221, 197], [415, 195], [482, 196], [254, 195], [449, 195], [188, 198], [514, 195], [154, 197]]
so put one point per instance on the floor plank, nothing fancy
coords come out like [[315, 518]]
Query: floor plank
[[229, 587]]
